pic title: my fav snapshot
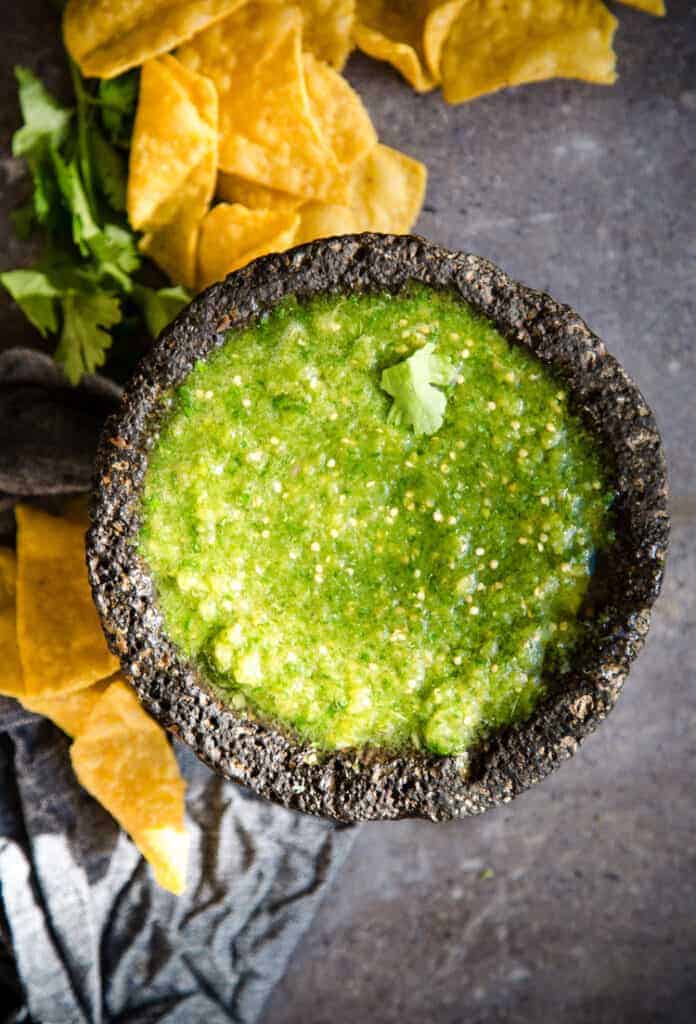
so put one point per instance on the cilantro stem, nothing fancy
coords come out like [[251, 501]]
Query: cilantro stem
[[83, 118]]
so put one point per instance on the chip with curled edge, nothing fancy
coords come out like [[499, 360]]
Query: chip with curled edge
[[409, 34], [494, 44], [106, 38], [124, 759]]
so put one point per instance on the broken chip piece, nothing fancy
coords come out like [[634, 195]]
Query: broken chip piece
[[11, 683], [124, 759], [386, 193], [493, 44], [393, 30], [61, 645], [232, 235]]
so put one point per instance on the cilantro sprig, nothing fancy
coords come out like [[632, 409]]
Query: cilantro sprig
[[83, 288], [417, 403]]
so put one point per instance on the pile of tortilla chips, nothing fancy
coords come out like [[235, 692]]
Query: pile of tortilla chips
[[55, 661], [251, 114], [247, 140]]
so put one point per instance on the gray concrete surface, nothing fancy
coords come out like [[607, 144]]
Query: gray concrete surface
[[578, 901]]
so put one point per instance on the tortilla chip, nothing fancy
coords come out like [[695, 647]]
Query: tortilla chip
[[105, 38], [70, 712], [11, 682], [436, 29], [232, 236], [649, 6], [175, 132], [393, 30], [173, 247], [328, 29], [8, 577], [61, 644], [386, 194], [494, 44], [345, 123], [268, 131], [123, 758], [234, 189]]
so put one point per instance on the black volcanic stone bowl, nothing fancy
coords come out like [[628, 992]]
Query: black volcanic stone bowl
[[359, 785]]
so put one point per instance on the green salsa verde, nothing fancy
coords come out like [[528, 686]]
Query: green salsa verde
[[373, 520]]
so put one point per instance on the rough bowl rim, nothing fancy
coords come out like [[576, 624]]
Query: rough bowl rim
[[371, 784]]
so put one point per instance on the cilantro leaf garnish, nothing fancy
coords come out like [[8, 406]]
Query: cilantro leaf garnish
[[417, 403]]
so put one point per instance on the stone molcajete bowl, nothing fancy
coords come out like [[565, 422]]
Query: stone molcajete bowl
[[353, 785]]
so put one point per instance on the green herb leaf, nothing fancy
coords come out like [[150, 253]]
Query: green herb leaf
[[84, 227], [84, 340], [46, 122], [160, 307], [109, 171], [410, 383], [36, 295], [113, 247], [117, 98]]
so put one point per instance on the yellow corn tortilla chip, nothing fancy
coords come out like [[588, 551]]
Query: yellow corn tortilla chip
[[11, 682], [234, 189], [268, 131], [61, 645], [175, 132], [232, 236], [173, 247], [8, 577], [393, 30], [493, 44], [123, 758], [436, 29], [386, 194], [344, 121], [650, 6], [70, 712], [107, 37], [327, 29]]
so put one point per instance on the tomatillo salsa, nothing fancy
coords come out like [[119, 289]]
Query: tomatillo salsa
[[372, 520]]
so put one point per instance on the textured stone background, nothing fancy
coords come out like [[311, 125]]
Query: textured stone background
[[578, 901]]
